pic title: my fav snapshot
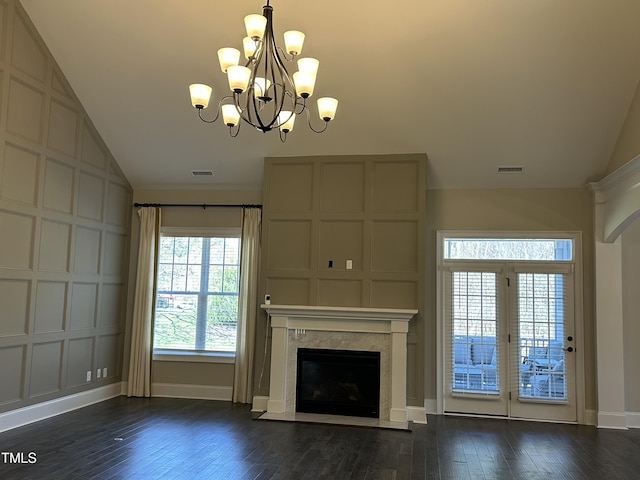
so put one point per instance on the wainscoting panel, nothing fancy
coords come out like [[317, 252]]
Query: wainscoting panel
[[16, 239], [79, 360], [91, 196], [19, 180], [55, 246], [342, 187], [11, 379], [51, 306]]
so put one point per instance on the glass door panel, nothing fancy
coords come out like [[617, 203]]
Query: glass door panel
[[543, 347], [472, 347]]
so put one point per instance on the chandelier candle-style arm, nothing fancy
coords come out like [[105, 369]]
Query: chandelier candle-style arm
[[263, 92]]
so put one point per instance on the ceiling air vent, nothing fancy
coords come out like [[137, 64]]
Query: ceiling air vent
[[202, 173], [510, 169]]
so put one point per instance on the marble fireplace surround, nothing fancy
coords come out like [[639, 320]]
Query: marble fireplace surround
[[344, 328]]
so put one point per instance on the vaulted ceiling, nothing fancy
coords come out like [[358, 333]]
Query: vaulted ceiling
[[473, 84]]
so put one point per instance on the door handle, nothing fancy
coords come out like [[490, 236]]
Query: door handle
[[568, 349]]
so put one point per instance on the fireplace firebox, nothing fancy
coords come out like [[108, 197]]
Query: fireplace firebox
[[338, 382]]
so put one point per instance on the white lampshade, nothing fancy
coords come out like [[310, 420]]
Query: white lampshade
[[308, 64], [286, 120], [238, 78], [230, 115], [327, 107], [200, 95], [249, 47], [228, 57], [261, 86], [255, 25], [293, 41], [304, 82]]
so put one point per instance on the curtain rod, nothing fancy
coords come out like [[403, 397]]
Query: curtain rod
[[202, 205]]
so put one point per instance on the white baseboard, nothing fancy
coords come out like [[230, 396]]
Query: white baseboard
[[612, 420], [633, 419], [200, 392], [259, 404], [416, 415], [40, 411]]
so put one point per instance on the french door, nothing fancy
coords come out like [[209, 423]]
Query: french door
[[509, 340]]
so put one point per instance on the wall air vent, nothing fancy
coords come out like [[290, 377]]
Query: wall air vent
[[202, 173], [510, 169]]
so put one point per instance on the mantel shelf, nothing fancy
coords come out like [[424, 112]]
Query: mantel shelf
[[342, 313]]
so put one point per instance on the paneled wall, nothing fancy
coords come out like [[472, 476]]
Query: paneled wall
[[320, 212], [64, 230]]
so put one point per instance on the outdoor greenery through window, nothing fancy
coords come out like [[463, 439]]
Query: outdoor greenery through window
[[197, 293], [527, 249]]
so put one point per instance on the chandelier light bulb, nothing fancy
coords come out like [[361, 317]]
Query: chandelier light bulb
[[304, 82], [238, 78], [327, 107], [228, 57], [255, 25], [293, 41], [286, 120], [261, 87], [200, 95], [308, 64], [249, 46], [230, 115]]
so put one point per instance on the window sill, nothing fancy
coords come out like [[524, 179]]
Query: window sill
[[193, 357]]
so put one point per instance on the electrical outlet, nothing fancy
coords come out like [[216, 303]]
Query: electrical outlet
[[88, 375], [104, 372], [98, 373], [349, 264]]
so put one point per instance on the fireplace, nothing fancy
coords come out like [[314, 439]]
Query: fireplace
[[379, 330], [338, 382]]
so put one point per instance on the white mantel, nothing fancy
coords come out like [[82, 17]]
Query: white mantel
[[380, 329]]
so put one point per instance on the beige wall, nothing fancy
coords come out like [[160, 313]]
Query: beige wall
[[628, 145], [189, 373], [519, 210], [631, 307], [364, 208], [64, 230]]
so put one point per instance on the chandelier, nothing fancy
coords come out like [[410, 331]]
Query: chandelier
[[264, 94]]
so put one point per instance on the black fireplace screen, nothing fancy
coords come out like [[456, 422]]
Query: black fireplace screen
[[338, 382]]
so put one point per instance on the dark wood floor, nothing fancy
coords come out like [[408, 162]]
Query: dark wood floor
[[195, 439]]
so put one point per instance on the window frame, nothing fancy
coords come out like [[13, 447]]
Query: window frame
[[186, 355]]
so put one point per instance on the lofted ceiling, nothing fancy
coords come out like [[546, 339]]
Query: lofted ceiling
[[473, 84]]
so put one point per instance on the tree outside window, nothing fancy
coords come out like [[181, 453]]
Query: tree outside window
[[197, 293]]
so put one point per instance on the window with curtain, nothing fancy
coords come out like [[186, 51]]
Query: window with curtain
[[197, 292]]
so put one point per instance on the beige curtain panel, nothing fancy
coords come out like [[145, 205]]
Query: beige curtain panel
[[139, 382], [247, 305]]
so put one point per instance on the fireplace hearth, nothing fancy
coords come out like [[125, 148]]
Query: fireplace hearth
[[338, 382]]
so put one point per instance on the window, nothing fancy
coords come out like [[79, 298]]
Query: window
[[197, 293], [522, 249]]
